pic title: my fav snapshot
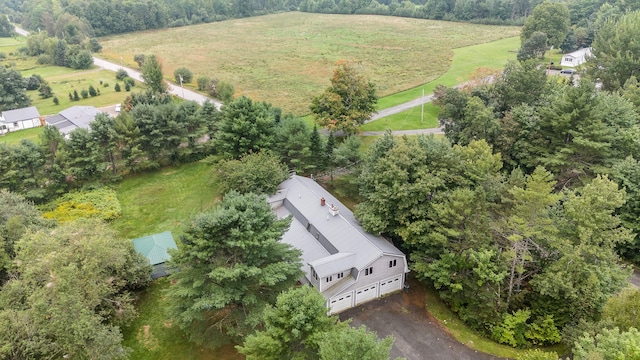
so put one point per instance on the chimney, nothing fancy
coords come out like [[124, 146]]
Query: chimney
[[333, 210], [322, 201]]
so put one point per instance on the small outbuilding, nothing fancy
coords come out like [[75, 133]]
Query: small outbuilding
[[19, 119], [154, 248], [576, 58]]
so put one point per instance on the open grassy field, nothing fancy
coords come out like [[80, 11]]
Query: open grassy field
[[64, 81], [14, 138], [288, 58]]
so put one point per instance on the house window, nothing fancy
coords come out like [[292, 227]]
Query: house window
[[15, 124], [368, 271], [314, 274], [340, 275], [329, 278], [393, 263]]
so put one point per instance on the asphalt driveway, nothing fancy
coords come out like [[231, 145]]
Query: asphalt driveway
[[417, 335]]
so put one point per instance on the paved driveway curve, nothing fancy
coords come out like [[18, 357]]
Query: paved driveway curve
[[417, 334]]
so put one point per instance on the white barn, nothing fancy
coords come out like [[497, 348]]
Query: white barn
[[576, 58], [347, 265], [19, 119]]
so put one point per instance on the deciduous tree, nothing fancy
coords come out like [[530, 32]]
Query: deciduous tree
[[259, 173], [551, 18], [347, 103], [12, 90]]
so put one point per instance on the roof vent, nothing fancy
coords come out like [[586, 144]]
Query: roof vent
[[333, 210], [322, 201]]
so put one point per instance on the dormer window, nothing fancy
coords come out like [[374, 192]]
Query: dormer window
[[393, 263], [368, 271], [329, 278], [340, 275]]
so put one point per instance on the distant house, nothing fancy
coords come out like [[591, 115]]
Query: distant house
[[154, 248], [75, 117], [347, 265], [576, 58], [19, 119]]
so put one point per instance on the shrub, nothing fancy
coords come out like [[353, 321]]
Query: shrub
[[45, 90], [204, 83], [92, 91], [117, 87], [44, 59], [56, 101], [129, 81], [84, 93], [34, 81], [3, 55], [75, 95], [512, 329], [105, 85], [127, 87], [186, 74], [121, 74], [94, 45], [139, 59], [225, 91], [99, 204]]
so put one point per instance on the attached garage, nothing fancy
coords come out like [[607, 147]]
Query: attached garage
[[366, 293], [390, 285], [341, 302]]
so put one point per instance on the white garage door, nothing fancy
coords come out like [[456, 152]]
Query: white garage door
[[366, 293], [390, 285], [341, 302]]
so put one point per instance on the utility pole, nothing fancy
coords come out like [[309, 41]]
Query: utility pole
[[422, 112]]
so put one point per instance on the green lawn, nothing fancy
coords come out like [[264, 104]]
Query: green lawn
[[288, 58], [64, 81], [152, 336], [14, 138], [163, 200], [466, 60], [407, 120]]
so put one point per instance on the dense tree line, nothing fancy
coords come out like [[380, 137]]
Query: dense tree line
[[103, 17], [65, 290], [61, 52]]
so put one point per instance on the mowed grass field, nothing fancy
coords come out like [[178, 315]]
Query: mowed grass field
[[287, 59]]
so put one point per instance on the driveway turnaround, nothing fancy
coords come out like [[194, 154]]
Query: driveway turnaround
[[418, 336]]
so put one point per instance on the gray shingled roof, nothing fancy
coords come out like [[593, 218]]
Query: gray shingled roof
[[73, 118], [353, 244], [16, 115]]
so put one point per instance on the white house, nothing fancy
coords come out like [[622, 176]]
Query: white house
[[576, 58], [347, 265], [75, 117], [19, 119]]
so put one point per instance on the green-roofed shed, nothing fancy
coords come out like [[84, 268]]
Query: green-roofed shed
[[154, 247]]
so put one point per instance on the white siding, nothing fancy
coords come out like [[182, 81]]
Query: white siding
[[341, 302], [391, 284], [366, 293]]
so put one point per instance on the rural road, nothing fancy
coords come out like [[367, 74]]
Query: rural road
[[174, 89]]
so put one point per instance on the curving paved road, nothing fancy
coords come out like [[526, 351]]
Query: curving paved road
[[173, 89]]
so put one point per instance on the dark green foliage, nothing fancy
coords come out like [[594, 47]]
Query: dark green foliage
[[550, 18], [12, 90], [224, 91], [255, 172], [297, 327], [60, 55], [76, 97], [139, 59], [6, 29], [94, 45], [616, 54], [293, 138], [245, 127], [204, 83], [92, 91], [534, 47], [183, 75], [117, 88], [347, 103], [45, 91], [121, 74], [232, 265], [493, 246], [34, 81], [46, 298], [81, 60], [84, 93], [129, 81], [127, 87], [152, 74], [56, 101]]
